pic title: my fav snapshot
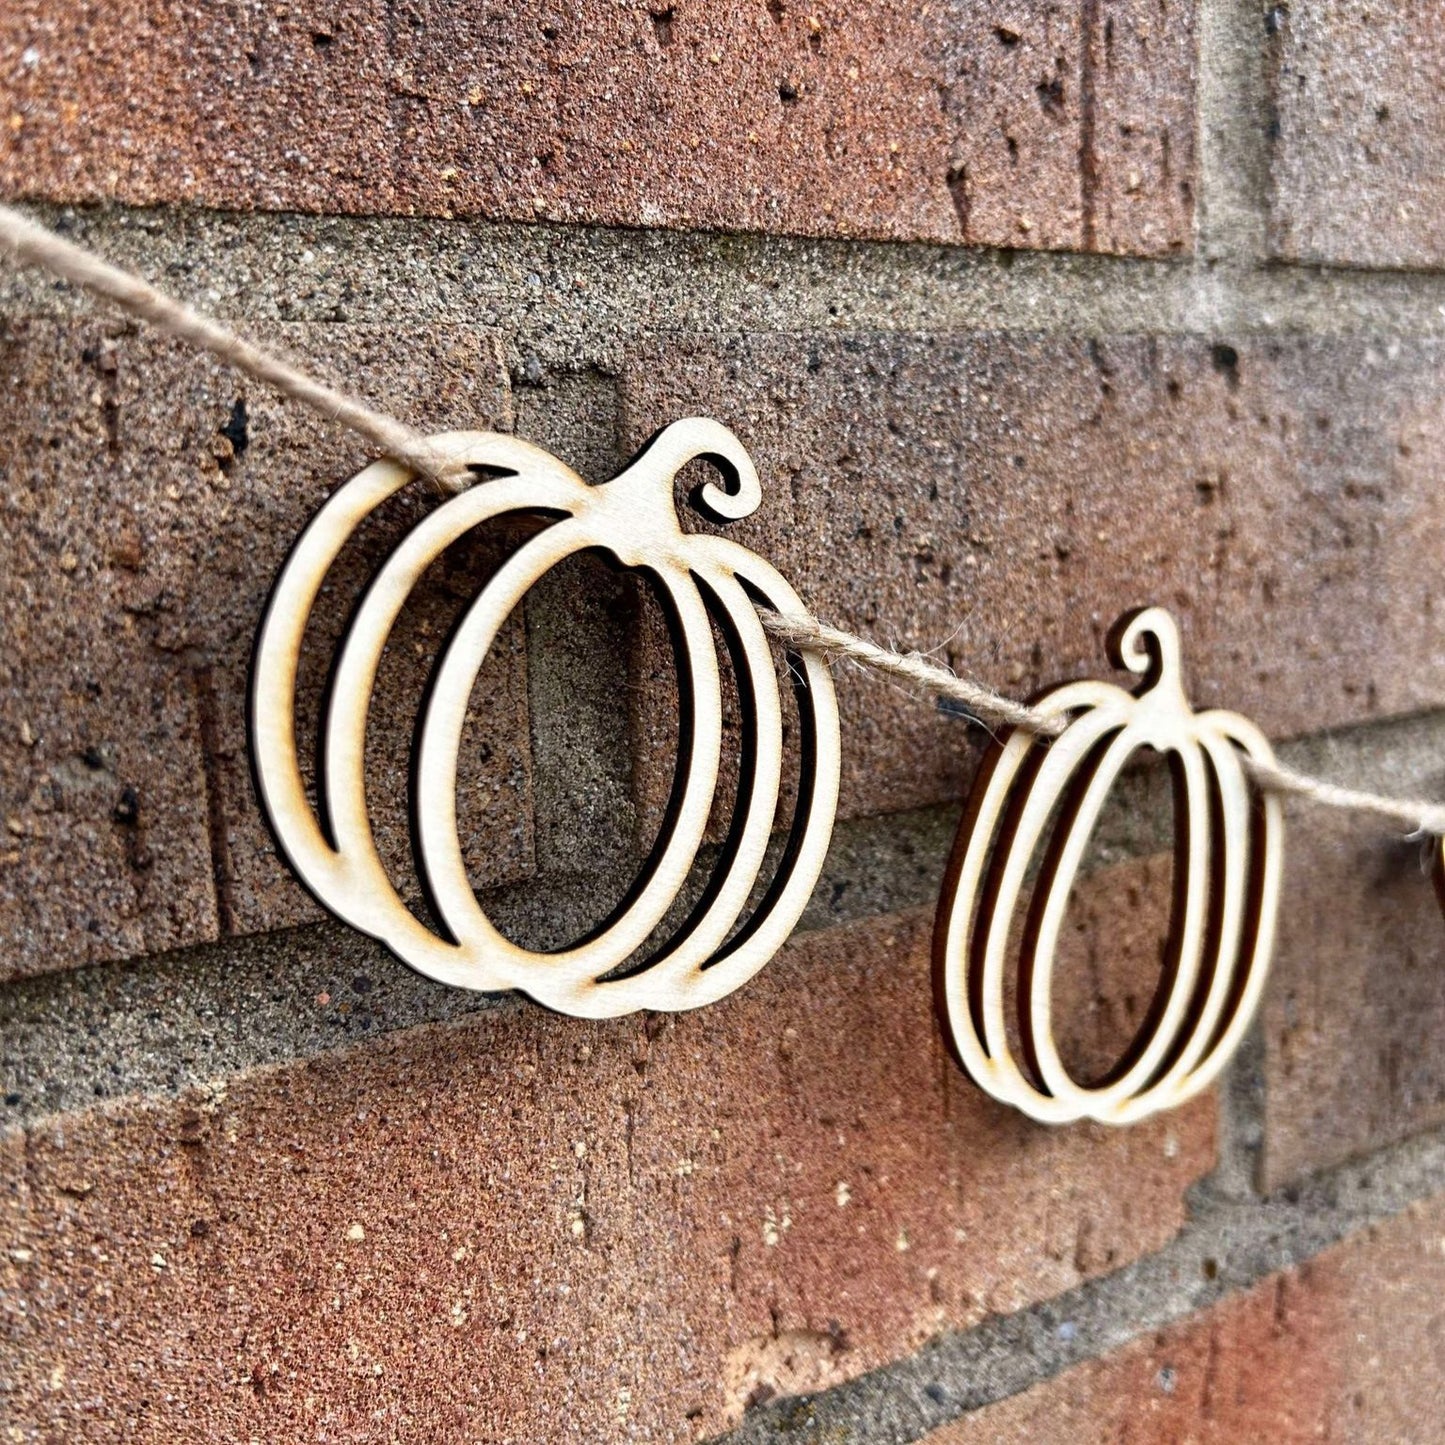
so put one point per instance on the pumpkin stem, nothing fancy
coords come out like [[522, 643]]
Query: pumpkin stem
[[1147, 643], [700, 437]]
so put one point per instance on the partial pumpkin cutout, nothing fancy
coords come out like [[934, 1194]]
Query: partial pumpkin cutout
[[1034, 806], [704, 580]]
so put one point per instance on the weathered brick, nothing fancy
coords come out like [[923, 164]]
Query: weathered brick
[[1359, 154], [1109, 961], [1345, 1347], [229, 105], [149, 499], [1070, 131], [1136, 139], [638, 1224], [14, 1218], [998, 501], [1014, 124], [1357, 1001], [1017, 100]]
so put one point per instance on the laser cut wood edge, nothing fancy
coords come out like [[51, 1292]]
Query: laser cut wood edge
[[1195, 1035], [633, 518]]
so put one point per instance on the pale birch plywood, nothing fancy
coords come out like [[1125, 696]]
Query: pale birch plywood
[[1037, 800], [703, 580]]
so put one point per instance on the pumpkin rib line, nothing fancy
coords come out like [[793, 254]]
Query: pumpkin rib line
[[802, 821], [435, 918], [677, 790], [1212, 961], [724, 859]]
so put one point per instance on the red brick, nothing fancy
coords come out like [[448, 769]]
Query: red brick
[[239, 106], [1357, 166], [568, 1230], [1018, 180], [1072, 135], [14, 1216], [1356, 1003], [140, 550], [1138, 191], [1111, 951], [998, 501], [1002, 124], [1345, 1347]]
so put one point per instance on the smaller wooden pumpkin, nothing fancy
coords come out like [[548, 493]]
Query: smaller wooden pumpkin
[[1227, 871]]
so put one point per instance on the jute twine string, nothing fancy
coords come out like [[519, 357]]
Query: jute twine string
[[34, 245], [1419, 817]]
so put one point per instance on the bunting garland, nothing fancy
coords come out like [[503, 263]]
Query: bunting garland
[[1032, 810]]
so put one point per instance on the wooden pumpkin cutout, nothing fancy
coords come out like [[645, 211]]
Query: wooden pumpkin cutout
[[702, 579], [1227, 873]]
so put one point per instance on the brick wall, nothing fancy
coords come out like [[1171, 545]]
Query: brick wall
[[1029, 313]]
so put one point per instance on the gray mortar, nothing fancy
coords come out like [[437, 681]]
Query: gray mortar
[[159, 1025], [578, 299]]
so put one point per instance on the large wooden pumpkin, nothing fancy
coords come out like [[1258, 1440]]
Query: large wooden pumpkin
[[1033, 808], [702, 579]]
